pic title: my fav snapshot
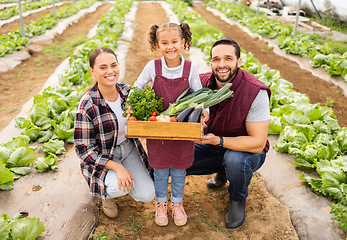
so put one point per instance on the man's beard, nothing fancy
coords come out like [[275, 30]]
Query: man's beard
[[229, 78]]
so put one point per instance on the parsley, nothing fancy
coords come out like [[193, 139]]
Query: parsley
[[143, 103]]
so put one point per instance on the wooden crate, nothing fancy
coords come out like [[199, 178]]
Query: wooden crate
[[164, 130]]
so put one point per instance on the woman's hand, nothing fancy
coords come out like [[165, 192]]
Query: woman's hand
[[128, 111], [125, 179]]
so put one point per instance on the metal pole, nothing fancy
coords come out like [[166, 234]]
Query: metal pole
[[297, 17], [314, 6], [54, 13], [21, 17], [258, 8]]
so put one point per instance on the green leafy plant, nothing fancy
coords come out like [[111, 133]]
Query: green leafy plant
[[20, 228], [142, 103]]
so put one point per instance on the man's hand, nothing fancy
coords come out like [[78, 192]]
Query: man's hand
[[254, 142], [205, 116], [209, 138]]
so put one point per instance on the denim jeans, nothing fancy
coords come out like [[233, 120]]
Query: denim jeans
[[143, 186], [161, 181], [239, 167]]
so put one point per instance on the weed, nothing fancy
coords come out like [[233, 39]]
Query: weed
[[208, 192], [195, 192], [329, 102], [65, 49], [102, 235], [334, 24], [135, 224], [204, 218], [20, 75], [219, 194], [337, 92]]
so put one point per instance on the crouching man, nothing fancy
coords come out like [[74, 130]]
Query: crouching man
[[235, 141]]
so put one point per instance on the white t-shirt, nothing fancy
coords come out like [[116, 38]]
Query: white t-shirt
[[117, 109], [260, 111], [148, 74]]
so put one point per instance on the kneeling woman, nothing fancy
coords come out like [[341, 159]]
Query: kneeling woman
[[111, 164]]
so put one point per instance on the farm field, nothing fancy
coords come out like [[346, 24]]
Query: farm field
[[266, 217]]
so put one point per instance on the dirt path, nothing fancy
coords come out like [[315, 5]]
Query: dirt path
[[8, 27], [266, 217], [26, 80]]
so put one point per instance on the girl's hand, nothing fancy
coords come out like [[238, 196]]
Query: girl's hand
[[205, 116], [125, 179]]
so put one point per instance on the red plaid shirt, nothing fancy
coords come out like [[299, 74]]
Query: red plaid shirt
[[95, 137]]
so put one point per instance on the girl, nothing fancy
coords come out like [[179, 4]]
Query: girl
[[111, 164], [169, 77]]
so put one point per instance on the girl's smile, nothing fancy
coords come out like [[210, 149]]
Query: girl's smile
[[170, 44]]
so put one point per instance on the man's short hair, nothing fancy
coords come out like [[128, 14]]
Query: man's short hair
[[227, 41]]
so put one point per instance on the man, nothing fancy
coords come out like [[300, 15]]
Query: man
[[235, 141]]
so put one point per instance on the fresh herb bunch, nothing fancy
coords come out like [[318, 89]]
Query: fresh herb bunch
[[142, 103]]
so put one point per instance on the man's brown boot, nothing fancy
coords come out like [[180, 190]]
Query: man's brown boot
[[109, 207]]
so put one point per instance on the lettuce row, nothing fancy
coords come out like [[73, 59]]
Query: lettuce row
[[13, 41], [13, 11], [304, 45], [21, 228]]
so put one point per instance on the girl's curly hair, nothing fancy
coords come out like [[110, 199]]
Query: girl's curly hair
[[183, 29]]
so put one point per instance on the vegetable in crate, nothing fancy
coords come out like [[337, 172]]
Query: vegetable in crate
[[202, 98], [143, 103]]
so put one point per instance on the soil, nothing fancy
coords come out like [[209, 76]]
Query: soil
[[266, 217]]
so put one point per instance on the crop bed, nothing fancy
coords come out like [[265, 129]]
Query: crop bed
[[266, 217]]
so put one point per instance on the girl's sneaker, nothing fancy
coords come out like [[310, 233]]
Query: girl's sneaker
[[178, 214], [161, 214]]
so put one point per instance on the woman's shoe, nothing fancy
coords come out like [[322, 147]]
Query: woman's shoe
[[109, 207], [161, 214], [178, 214]]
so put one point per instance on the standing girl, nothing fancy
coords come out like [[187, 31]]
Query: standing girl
[[169, 77], [111, 164]]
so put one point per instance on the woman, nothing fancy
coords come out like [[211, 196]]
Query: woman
[[111, 164]]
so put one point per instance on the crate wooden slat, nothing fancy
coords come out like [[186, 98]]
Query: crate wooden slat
[[164, 130]]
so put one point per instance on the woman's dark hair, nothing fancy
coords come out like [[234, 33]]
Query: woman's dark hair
[[96, 52], [227, 41], [183, 29]]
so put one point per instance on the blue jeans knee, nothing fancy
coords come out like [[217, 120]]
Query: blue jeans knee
[[239, 168]]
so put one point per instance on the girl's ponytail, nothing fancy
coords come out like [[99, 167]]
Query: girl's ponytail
[[187, 35], [152, 37]]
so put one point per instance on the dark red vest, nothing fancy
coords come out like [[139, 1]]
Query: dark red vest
[[228, 118]]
